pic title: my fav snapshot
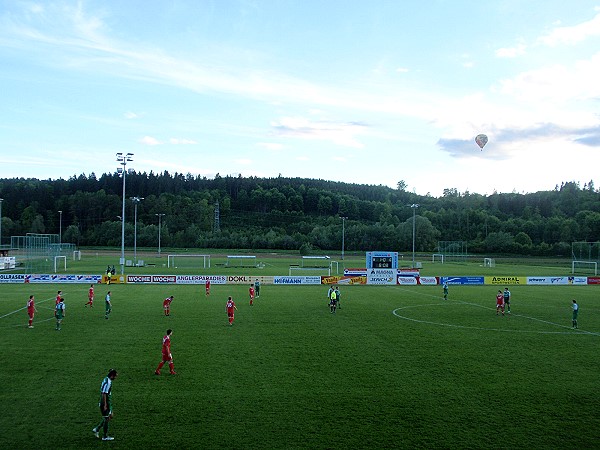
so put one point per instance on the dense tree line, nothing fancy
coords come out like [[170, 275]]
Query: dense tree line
[[295, 213]]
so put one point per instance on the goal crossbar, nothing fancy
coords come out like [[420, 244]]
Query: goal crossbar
[[56, 259], [171, 260], [241, 261], [593, 264], [319, 270]]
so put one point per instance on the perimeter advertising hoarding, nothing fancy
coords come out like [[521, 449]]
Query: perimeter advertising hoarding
[[462, 280], [63, 278], [200, 279], [297, 280], [506, 280], [12, 278], [412, 281], [347, 280], [381, 276], [557, 280]]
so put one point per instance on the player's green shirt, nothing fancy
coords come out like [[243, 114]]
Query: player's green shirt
[[60, 310], [445, 289]]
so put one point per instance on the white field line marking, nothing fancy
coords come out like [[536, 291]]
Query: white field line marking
[[25, 307], [446, 302]]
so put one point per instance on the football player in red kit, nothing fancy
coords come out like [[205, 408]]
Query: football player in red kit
[[230, 307], [90, 297], [31, 310], [166, 354], [167, 305], [499, 302]]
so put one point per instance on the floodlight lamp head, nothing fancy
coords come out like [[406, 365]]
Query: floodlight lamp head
[[119, 170]]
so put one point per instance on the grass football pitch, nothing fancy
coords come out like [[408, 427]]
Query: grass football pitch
[[395, 367]]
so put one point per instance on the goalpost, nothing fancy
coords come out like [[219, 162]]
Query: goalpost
[[489, 262], [593, 265], [438, 256], [191, 261], [241, 261], [311, 270], [56, 265]]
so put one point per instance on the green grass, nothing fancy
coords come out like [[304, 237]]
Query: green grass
[[278, 263], [396, 367]]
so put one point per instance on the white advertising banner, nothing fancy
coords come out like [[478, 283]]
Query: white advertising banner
[[63, 278], [201, 279], [297, 280], [12, 278], [556, 280], [381, 276]]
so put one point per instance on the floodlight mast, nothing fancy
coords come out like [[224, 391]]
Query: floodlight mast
[[123, 160], [60, 228], [135, 201], [343, 234], [414, 206], [159, 215]]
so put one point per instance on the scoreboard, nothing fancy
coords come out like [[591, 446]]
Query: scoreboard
[[382, 260]]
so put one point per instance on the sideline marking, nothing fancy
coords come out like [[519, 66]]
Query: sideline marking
[[446, 302]]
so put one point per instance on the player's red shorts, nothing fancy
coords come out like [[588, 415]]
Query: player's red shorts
[[31, 314], [167, 357]]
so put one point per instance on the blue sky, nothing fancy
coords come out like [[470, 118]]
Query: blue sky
[[361, 92]]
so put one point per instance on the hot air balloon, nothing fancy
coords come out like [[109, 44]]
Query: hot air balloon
[[481, 140]]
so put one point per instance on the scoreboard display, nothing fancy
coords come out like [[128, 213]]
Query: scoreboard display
[[382, 260]]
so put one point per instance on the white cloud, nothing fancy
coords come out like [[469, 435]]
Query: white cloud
[[131, 115], [176, 141], [340, 133], [573, 34], [556, 83], [511, 52], [149, 140]]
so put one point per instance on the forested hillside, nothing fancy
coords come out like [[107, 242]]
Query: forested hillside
[[294, 213]]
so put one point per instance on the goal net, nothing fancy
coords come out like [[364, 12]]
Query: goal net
[[437, 257], [296, 270], [489, 262], [584, 267], [241, 261], [188, 261], [60, 261]]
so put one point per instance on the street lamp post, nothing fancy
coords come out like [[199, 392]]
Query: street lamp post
[[60, 227], [343, 234], [159, 228], [414, 206], [123, 160], [135, 201]]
